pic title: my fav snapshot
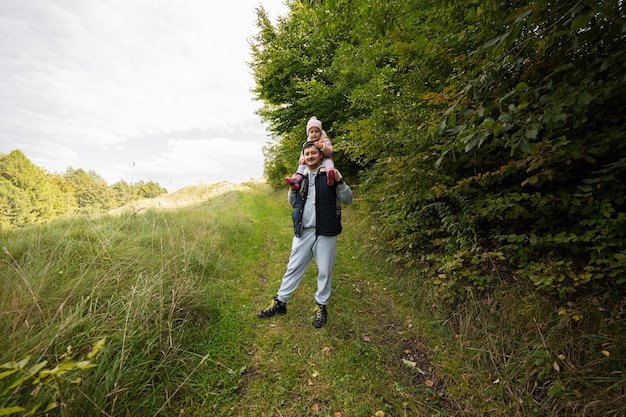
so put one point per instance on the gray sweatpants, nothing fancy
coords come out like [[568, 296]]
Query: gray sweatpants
[[303, 249]]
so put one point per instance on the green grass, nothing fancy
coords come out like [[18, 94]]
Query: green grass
[[176, 293]]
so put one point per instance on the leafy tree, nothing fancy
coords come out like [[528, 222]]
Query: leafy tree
[[124, 192], [69, 193], [13, 210], [486, 133], [27, 193], [291, 64], [91, 190], [149, 189], [533, 120]]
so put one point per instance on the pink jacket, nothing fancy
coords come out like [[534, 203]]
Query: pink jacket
[[327, 148]]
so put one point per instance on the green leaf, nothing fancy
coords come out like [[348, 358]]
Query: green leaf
[[17, 383], [97, 348], [525, 146], [32, 411], [7, 373], [581, 21], [620, 257], [21, 364], [521, 86], [452, 119], [85, 365], [11, 410], [36, 368], [523, 15], [532, 133], [487, 123], [432, 130]]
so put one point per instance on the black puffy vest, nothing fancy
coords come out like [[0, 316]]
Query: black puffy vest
[[327, 207]]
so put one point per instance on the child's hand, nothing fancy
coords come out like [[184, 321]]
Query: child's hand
[[319, 144]]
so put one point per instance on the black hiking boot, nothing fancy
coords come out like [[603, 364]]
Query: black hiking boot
[[276, 307], [321, 315]]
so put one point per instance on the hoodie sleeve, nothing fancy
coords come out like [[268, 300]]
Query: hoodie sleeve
[[291, 197], [327, 149], [344, 194]]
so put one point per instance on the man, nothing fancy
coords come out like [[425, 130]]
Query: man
[[317, 222]]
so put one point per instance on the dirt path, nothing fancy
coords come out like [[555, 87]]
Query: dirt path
[[370, 357]]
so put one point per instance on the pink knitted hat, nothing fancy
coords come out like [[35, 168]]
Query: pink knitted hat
[[313, 122]]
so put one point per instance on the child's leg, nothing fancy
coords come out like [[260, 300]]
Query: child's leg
[[331, 174], [328, 163], [294, 182]]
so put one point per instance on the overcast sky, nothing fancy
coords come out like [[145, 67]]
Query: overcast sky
[[153, 90]]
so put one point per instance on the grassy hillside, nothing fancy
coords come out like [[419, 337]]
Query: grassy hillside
[[175, 293]]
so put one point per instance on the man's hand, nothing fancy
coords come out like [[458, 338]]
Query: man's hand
[[340, 182]]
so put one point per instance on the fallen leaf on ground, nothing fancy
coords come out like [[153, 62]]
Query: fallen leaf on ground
[[408, 363]]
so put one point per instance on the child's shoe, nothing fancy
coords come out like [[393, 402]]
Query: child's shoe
[[330, 177], [292, 183]]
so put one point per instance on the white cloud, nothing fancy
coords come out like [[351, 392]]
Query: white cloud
[[81, 79], [202, 161]]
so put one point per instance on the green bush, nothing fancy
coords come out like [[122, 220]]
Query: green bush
[[32, 389]]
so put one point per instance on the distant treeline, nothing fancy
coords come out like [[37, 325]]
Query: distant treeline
[[487, 136], [30, 195]]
